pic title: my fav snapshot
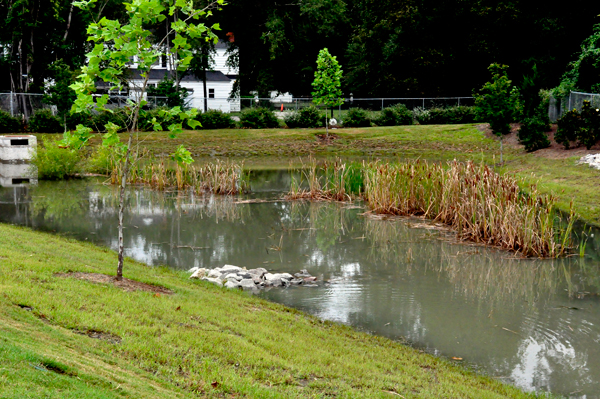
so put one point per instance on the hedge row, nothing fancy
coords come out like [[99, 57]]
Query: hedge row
[[43, 121]]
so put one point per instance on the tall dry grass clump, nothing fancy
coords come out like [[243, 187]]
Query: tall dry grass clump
[[225, 178], [480, 204]]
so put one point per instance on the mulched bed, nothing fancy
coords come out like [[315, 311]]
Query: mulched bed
[[125, 284]]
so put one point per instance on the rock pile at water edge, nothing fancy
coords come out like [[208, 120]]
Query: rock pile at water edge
[[239, 277]]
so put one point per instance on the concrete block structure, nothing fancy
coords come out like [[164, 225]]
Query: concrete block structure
[[17, 175], [17, 148]]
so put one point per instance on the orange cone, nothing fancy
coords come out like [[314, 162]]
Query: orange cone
[[281, 107]]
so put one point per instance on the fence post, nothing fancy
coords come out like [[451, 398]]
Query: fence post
[[423, 103], [569, 101], [459, 101], [11, 104], [340, 112], [382, 104]]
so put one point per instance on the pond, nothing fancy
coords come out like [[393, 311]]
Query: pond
[[531, 323]]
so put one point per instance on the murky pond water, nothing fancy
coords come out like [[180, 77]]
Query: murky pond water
[[532, 323]]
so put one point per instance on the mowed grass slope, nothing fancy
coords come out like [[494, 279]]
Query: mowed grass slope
[[202, 341]]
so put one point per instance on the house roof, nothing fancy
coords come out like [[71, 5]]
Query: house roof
[[159, 74]]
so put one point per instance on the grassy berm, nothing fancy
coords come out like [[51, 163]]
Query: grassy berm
[[61, 337]]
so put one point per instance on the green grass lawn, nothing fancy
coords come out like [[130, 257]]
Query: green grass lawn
[[200, 341]]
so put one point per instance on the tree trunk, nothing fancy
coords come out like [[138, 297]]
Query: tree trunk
[[501, 149], [326, 124], [124, 176], [204, 62]]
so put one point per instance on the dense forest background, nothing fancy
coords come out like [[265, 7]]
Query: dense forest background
[[406, 48]]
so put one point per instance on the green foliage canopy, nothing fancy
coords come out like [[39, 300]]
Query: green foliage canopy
[[498, 101], [327, 84]]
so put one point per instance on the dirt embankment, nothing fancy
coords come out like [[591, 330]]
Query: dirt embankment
[[555, 151]]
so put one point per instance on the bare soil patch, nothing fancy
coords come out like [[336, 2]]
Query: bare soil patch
[[101, 335], [125, 284], [555, 151], [326, 139]]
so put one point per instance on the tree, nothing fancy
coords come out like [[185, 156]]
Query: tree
[[498, 102], [116, 43], [203, 61], [59, 92], [327, 83], [175, 95]]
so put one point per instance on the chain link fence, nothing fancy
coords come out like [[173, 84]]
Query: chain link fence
[[24, 105], [575, 99], [290, 104]]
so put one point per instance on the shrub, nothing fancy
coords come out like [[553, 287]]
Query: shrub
[[396, 115], [43, 121], [146, 116], [568, 128], [533, 133], [104, 159], [258, 118], [357, 117], [118, 116], [216, 119], [80, 118], [305, 117], [445, 116], [589, 133], [54, 162], [422, 116], [583, 127], [9, 124]]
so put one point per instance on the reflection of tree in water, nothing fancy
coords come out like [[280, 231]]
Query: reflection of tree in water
[[479, 272], [58, 200]]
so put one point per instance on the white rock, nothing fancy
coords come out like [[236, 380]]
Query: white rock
[[214, 281], [592, 159], [199, 273], [231, 284], [213, 273], [193, 269], [230, 276], [278, 276], [247, 283], [258, 272], [276, 282], [269, 276], [231, 268]]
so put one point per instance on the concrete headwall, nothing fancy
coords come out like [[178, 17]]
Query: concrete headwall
[[17, 147]]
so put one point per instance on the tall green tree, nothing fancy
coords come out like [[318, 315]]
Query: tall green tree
[[59, 92], [116, 43], [36, 33], [327, 84], [498, 102]]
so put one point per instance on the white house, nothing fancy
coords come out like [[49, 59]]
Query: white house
[[219, 82]]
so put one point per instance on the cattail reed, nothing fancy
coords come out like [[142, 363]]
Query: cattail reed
[[478, 203], [217, 178], [336, 181]]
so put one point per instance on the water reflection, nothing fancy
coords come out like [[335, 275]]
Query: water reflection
[[531, 322]]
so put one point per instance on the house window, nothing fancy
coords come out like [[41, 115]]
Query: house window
[[163, 60], [211, 93]]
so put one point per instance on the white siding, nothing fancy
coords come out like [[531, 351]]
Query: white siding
[[222, 90], [220, 58]]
